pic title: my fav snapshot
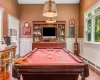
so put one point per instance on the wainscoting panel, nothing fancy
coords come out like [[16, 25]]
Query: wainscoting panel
[[25, 45], [90, 52], [70, 44]]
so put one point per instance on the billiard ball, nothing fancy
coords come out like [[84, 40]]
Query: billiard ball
[[50, 56]]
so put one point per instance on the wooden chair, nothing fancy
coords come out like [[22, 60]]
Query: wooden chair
[[4, 57], [14, 52]]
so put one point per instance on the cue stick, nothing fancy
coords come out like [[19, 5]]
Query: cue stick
[[26, 57], [29, 60]]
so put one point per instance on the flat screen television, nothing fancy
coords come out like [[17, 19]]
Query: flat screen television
[[49, 32]]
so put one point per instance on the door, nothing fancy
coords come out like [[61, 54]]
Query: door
[[13, 31]]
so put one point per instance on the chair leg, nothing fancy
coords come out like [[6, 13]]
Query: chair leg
[[5, 71]]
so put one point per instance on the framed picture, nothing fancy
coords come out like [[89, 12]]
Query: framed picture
[[71, 28], [26, 29]]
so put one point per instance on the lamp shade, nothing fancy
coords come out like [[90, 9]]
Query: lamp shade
[[51, 20], [50, 9]]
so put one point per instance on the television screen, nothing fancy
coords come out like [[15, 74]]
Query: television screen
[[49, 32]]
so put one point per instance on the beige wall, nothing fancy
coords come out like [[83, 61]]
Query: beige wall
[[31, 13], [66, 12], [10, 7], [84, 5]]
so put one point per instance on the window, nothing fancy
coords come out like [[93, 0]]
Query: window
[[92, 24], [88, 32], [97, 28], [1, 20]]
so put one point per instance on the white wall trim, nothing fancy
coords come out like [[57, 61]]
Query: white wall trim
[[43, 1], [13, 23], [95, 62], [9, 15], [25, 45], [1, 10], [70, 44], [86, 18], [1, 25], [90, 52]]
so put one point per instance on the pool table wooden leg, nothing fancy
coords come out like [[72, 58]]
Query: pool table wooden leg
[[82, 76]]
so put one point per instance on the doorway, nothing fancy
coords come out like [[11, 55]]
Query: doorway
[[13, 32]]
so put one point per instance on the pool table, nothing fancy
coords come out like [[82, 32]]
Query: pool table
[[50, 64]]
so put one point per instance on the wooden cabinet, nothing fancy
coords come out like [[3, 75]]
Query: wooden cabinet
[[48, 45], [38, 31]]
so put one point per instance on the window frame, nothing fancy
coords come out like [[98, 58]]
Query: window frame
[[1, 23], [86, 18]]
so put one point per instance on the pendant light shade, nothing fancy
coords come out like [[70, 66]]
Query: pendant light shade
[[50, 9], [51, 20]]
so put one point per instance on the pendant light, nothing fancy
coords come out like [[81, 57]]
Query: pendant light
[[50, 9]]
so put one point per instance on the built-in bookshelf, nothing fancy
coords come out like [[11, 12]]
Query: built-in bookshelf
[[61, 33], [38, 35]]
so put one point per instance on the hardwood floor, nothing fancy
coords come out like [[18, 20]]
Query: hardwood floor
[[4, 76], [92, 76]]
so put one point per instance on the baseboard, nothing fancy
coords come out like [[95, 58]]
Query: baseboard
[[95, 70]]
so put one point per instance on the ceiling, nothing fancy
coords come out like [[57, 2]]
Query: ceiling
[[43, 1]]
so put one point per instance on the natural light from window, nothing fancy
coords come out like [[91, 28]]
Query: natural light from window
[[92, 24]]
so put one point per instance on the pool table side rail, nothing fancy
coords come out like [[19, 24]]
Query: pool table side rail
[[73, 56], [28, 54], [65, 64], [50, 69]]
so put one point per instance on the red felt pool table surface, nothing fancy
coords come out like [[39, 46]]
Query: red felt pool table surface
[[43, 63], [51, 57]]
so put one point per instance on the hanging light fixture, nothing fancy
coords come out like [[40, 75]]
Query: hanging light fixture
[[50, 9], [51, 20]]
